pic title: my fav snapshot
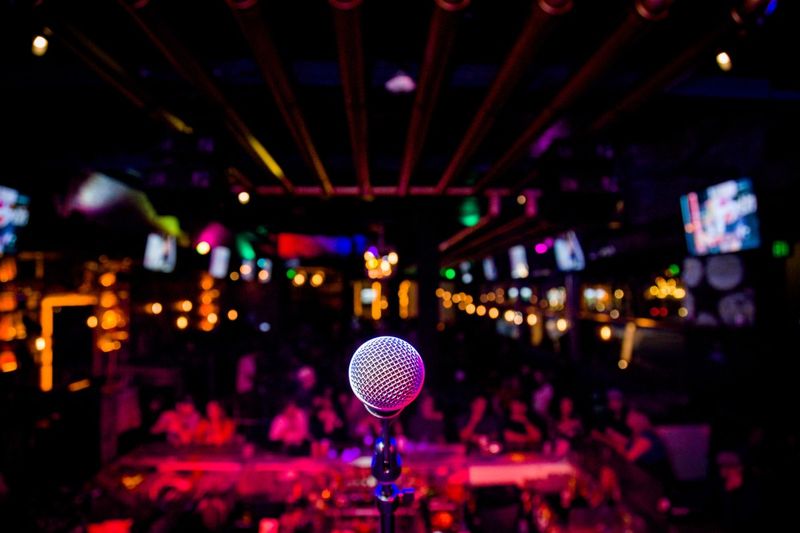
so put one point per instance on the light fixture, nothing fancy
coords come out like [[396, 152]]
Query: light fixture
[[39, 45], [244, 197], [724, 61], [400, 83]]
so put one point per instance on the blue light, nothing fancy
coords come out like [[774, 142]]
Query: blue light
[[771, 7]]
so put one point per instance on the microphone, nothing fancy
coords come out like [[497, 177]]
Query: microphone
[[386, 374]]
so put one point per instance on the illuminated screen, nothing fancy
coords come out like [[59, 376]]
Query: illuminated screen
[[13, 214], [721, 219], [519, 262], [160, 253], [568, 252], [489, 269], [220, 258]]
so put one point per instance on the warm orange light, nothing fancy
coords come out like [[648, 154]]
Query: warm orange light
[[263, 275], [480, 310], [108, 299], [614, 314], [724, 61], [562, 324], [375, 308], [532, 319], [393, 258], [40, 343], [317, 279], [518, 320], [108, 279], [605, 333], [75, 386], [244, 197], [683, 312], [47, 304], [622, 364], [494, 313], [233, 314], [470, 309], [39, 45], [508, 315], [212, 318], [186, 306], [299, 279], [234, 276], [110, 319], [182, 322], [155, 308], [8, 361], [91, 321], [619, 294]]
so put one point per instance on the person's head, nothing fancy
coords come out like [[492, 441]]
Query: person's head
[[517, 408], [307, 378], [214, 410], [637, 421], [615, 400], [185, 406], [566, 406]]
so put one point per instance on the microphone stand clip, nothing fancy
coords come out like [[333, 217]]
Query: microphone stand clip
[[386, 468]]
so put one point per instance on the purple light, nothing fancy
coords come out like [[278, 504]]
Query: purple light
[[540, 248]]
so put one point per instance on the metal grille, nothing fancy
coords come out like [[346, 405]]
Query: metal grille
[[386, 373]]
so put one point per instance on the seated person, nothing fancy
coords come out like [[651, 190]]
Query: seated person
[[427, 424], [179, 424], [217, 429], [289, 429], [326, 422], [644, 447], [519, 432], [481, 426], [566, 424]]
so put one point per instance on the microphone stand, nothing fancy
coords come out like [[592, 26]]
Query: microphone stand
[[386, 467]]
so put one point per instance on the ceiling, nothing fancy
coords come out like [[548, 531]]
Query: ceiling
[[609, 110]]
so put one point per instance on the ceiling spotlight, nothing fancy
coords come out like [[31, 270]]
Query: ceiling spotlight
[[724, 61], [400, 83], [39, 46], [244, 197]]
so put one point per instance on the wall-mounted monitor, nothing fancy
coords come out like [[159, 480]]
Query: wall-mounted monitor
[[160, 253], [13, 214], [721, 219], [519, 262], [568, 252]]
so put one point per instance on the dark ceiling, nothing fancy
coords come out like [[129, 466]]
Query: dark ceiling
[[642, 111]]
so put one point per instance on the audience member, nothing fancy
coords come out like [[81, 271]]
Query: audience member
[[179, 424], [289, 429], [217, 429], [482, 426], [519, 432]]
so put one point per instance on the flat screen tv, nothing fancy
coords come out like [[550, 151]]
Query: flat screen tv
[[13, 214], [519, 262], [568, 252], [160, 253], [721, 219]]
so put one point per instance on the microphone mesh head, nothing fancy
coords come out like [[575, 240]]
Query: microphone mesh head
[[386, 373]]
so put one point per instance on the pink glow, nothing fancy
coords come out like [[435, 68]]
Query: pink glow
[[540, 248]]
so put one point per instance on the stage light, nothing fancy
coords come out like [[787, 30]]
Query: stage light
[[182, 322], [244, 197], [39, 45], [203, 247], [724, 62], [156, 308], [605, 333], [233, 314]]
